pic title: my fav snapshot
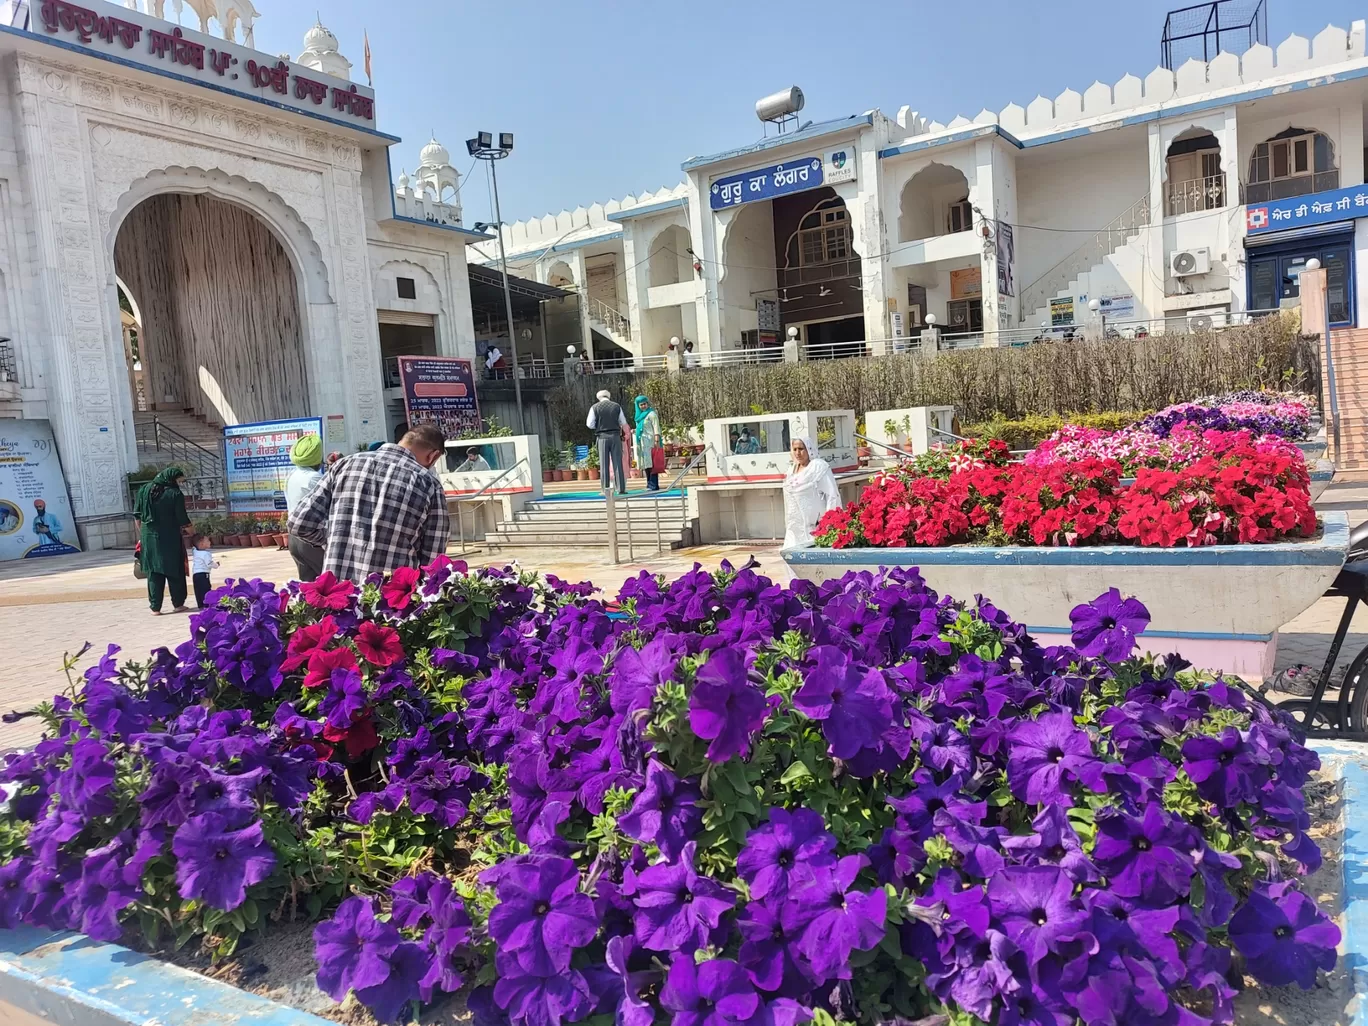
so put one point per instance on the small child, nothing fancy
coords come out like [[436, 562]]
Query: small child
[[201, 562]]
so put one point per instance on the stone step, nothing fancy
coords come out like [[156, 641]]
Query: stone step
[[641, 544]]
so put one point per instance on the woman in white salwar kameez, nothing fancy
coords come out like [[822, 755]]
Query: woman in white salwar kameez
[[810, 490]]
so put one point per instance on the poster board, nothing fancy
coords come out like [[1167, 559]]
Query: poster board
[[966, 283], [1062, 312], [36, 518], [257, 462], [440, 390]]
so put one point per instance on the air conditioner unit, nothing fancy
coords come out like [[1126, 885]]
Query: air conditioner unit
[[1201, 322], [1190, 261]]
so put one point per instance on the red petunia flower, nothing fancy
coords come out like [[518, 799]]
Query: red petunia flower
[[398, 590], [328, 592], [379, 645], [308, 640], [322, 663]]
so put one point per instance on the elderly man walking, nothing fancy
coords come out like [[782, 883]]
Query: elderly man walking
[[377, 511], [608, 423]]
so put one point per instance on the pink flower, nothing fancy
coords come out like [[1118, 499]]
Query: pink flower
[[328, 592], [308, 640], [398, 590], [379, 645]]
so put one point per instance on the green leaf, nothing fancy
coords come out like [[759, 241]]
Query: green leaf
[[796, 772]]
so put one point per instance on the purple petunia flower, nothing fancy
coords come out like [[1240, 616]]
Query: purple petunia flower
[[1284, 937], [449, 935], [725, 707], [102, 894], [345, 700], [351, 949], [1047, 755], [791, 841], [636, 674], [112, 709], [1036, 908], [770, 934], [544, 1000], [715, 993], [1107, 626], [541, 917], [405, 966], [14, 898], [1149, 857], [1052, 840], [677, 908], [841, 920], [1223, 768], [664, 812], [437, 788], [854, 705], [87, 783], [216, 863], [634, 1008]]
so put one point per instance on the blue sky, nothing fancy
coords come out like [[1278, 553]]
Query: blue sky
[[608, 97]]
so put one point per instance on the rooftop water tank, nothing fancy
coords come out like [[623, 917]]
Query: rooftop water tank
[[785, 103]]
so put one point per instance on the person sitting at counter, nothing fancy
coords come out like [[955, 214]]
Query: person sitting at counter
[[474, 461]]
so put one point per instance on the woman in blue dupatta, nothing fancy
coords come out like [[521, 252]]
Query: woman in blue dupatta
[[646, 440]]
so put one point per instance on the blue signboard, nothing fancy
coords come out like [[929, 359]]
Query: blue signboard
[[1301, 211], [258, 462], [766, 182]]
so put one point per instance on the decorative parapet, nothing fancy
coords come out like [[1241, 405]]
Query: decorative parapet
[[1296, 55]]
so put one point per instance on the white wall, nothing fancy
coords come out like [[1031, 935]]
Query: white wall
[[1080, 184], [747, 269]]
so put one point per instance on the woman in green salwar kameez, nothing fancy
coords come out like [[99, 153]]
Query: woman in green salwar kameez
[[161, 519]]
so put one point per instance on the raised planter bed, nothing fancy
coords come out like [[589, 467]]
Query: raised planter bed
[[1218, 606]]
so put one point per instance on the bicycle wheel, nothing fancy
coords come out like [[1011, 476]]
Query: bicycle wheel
[[1326, 715], [1356, 680]]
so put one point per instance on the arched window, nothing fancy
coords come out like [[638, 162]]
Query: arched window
[[1292, 163], [824, 234]]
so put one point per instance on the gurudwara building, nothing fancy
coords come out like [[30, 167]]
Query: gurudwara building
[[189, 225]]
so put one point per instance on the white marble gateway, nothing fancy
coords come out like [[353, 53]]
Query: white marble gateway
[[120, 124]]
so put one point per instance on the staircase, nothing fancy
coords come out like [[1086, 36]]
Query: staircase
[[583, 523], [172, 438], [1069, 276], [608, 322], [1351, 395]]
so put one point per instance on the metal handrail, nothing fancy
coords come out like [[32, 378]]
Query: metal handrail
[[685, 472], [884, 445], [481, 497]]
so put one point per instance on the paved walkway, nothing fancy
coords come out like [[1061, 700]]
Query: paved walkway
[[49, 608]]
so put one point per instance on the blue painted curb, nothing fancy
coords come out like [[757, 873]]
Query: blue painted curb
[[69, 979], [1327, 550], [1354, 860]]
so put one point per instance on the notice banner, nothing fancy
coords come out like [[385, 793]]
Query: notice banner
[[35, 511], [257, 461], [440, 390], [966, 283], [1061, 311]]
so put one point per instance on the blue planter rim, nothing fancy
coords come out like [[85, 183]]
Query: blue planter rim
[[1327, 550]]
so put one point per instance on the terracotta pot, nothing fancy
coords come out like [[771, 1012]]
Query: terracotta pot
[[564, 475], [263, 541], [283, 540], [864, 452], [548, 475], [584, 475], [216, 539]]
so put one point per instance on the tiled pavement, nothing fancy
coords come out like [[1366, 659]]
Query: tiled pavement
[[50, 608]]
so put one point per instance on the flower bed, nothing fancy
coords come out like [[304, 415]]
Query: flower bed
[[732, 803]]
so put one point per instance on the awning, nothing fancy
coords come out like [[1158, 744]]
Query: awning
[[489, 277], [1311, 231]]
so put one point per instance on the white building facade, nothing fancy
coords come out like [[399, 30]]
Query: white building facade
[[238, 206], [1188, 197]]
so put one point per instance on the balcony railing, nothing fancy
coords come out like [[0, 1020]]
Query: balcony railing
[[1286, 188], [1196, 194], [8, 371], [814, 274]]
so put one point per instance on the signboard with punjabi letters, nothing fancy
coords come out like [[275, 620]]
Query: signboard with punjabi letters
[[35, 511], [138, 38], [966, 283], [1301, 211], [764, 183], [257, 462], [1061, 311], [440, 390]]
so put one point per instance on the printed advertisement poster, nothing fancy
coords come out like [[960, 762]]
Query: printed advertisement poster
[[1117, 307], [257, 461], [966, 283], [1006, 258], [35, 511], [1061, 311], [440, 390]]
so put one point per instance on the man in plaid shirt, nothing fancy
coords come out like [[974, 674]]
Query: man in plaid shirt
[[376, 511]]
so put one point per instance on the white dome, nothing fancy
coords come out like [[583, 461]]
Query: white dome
[[434, 154], [320, 39], [403, 180]]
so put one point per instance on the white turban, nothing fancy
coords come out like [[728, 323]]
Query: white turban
[[605, 395]]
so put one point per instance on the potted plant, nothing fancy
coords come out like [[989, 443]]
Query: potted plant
[[547, 471]]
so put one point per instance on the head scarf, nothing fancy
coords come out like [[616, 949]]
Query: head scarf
[[149, 493], [640, 413], [373, 446], [307, 451], [801, 477]]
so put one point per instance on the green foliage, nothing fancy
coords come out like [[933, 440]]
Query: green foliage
[[1011, 383], [1026, 432]]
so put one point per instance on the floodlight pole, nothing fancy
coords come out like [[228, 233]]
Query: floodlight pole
[[493, 154]]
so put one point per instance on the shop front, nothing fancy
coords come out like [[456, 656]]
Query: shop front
[[1283, 235]]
